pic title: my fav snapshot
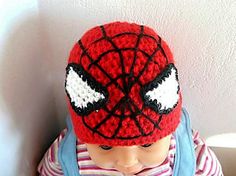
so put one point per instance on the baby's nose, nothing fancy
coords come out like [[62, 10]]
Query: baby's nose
[[127, 158]]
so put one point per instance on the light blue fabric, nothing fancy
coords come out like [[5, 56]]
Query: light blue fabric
[[185, 159], [67, 152]]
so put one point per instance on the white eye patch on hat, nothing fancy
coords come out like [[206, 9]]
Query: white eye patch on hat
[[162, 94], [85, 93]]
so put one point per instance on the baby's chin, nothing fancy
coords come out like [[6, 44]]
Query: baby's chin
[[146, 167], [132, 171], [139, 169], [125, 172]]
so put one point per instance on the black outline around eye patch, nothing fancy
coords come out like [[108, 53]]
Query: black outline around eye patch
[[154, 84], [93, 85]]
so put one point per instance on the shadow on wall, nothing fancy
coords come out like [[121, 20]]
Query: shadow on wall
[[26, 90]]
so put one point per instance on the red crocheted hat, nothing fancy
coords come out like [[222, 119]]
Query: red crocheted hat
[[122, 86]]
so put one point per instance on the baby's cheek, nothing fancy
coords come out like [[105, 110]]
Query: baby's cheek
[[153, 157], [156, 153], [102, 160]]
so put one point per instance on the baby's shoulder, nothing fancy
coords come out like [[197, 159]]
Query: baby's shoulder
[[50, 162]]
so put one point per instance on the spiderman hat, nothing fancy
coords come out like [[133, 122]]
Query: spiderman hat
[[122, 86]]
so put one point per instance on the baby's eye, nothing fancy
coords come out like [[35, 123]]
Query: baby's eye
[[105, 147], [146, 145]]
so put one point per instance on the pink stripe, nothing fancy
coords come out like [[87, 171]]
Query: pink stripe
[[161, 173], [205, 164], [95, 168], [52, 153], [196, 142], [81, 150], [49, 169], [87, 158], [196, 135], [172, 147], [211, 162], [40, 167], [200, 154], [52, 168], [199, 172], [215, 169]]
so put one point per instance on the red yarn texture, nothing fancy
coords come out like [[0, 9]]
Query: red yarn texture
[[116, 59]]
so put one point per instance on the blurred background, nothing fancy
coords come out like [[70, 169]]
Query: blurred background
[[37, 35]]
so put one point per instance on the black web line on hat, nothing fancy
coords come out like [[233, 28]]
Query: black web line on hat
[[103, 71], [124, 89], [135, 55], [120, 34], [158, 42], [119, 49], [105, 37], [127, 89], [109, 114], [156, 124], [133, 116], [120, 56]]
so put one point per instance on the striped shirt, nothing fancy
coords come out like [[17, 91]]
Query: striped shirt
[[206, 161]]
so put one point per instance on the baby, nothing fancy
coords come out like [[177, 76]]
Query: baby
[[125, 110]]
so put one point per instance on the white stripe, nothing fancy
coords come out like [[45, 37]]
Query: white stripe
[[81, 146], [82, 154], [50, 167], [203, 159], [86, 162]]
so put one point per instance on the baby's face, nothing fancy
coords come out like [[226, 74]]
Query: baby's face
[[130, 159]]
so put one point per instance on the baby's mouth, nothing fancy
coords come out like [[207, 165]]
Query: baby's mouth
[[132, 170]]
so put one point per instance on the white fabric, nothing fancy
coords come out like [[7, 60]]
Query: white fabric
[[166, 93], [79, 91]]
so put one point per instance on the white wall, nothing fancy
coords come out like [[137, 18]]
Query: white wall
[[27, 113], [36, 43]]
